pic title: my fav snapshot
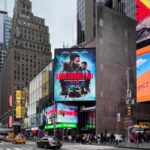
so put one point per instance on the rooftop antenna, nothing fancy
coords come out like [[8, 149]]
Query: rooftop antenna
[[5, 5]]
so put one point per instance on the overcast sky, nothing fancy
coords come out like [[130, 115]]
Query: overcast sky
[[60, 16]]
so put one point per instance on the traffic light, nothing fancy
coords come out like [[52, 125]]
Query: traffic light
[[129, 111]]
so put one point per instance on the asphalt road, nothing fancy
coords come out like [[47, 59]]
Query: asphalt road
[[32, 146]]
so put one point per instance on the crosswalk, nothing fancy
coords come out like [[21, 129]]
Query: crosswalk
[[20, 148], [87, 147]]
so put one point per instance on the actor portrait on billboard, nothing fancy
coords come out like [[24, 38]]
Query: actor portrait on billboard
[[75, 74]]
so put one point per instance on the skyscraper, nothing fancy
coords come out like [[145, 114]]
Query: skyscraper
[[5, 31], [30, 51], [86, 27], [86, 15], [5, 28]]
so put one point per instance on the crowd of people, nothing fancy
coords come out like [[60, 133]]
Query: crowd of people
[[106, 138], [140, 137]]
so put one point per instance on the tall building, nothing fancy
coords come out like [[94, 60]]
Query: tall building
[[5, 28], [30, 51], [86, 15], [5, 31], [3, 53], [86, 27]]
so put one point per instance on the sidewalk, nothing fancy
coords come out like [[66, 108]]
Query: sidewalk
[[144, 146]]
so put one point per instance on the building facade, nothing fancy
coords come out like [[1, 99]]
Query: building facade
[[40, 94], [86, 15], [5, 28], [30, 51], [115, 54], [86, 28], [5, 32]]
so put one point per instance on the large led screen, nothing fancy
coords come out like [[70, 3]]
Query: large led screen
[[74, 74], [143, 20], [143, 74], [66, 114], [47, 115]]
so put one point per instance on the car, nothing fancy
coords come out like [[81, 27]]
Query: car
[[19, 139], [49, 142]]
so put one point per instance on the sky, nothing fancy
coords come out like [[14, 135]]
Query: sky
[[60, 16]]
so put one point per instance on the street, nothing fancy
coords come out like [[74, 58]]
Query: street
[[72, 146]]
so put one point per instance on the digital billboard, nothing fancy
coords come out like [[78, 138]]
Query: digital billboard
[[66, 114], [90, 122], [75, 74], [143, 74], [143, 20], [47, 114], [20, 104]]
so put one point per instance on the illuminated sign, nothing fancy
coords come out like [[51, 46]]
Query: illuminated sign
[[143, 20], [20, 104], [47, 115], [61, 125], [66, 114], [10, 120], [75, 74], [143, 74]]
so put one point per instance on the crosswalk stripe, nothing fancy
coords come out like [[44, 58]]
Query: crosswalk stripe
[[87, 147]]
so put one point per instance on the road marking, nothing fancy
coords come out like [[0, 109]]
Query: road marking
[[87, 147]]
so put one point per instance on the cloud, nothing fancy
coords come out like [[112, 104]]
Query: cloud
[[140, 62]]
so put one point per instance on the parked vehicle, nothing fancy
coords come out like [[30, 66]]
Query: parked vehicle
[[49, 142]]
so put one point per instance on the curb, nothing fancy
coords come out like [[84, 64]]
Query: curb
[[133, 147]]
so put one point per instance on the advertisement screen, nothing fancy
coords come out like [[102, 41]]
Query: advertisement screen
[[75, 74], [143, 20], [143, 74], [47, 115], [20, 104], [66, 114], [90, 122]]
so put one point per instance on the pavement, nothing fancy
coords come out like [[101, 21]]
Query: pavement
[[143, 146], [127, 145]]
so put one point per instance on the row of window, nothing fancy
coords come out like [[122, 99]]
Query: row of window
[[29, 45]]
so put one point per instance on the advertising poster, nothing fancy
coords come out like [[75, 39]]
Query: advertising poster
[[143, 74], [90, 122], [143, 20], [75, 74], [47, 115], [66, 114]]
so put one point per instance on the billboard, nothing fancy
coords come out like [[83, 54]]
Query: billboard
[[143, 74], [47, 114], [66, 114], [20, 104], [143, 20], [75, 74]]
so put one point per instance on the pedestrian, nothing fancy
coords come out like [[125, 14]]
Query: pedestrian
[[98, 139], [70, 138]]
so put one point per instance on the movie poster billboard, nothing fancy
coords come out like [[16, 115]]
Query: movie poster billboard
[[47, 115], [66, 114], [143, 20], [75, 74], [143, 74]]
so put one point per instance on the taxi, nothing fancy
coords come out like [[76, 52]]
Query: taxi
[[19, 139]]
